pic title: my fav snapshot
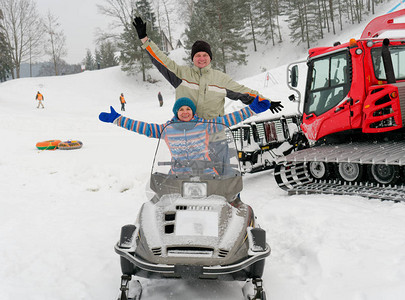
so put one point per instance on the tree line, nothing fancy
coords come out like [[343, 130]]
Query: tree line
[[230, 26], [22, 34]]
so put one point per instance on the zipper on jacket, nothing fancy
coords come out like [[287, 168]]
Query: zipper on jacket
[[185, 143], [205, 87]]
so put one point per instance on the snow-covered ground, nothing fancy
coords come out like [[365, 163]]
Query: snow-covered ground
[[61, 211]]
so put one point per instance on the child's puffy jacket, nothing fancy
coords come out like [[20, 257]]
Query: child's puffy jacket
[[190, 145]]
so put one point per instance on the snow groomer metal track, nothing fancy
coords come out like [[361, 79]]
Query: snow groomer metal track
[[294, 174]]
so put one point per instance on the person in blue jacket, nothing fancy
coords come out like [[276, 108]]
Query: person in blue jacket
[[184, 111]]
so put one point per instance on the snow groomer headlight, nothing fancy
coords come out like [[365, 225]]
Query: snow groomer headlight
[[194, 189]]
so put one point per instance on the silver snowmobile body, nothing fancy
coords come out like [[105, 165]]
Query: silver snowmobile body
[[191, 227]]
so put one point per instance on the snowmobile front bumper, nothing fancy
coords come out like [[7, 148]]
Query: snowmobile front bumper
[[192, 271]]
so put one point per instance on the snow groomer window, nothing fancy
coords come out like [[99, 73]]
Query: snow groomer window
[[398, 62], [328, 82]]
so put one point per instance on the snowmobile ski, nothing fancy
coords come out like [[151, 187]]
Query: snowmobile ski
[[129, 290]]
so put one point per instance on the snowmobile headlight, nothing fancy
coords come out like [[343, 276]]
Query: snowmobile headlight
[[194, 189]]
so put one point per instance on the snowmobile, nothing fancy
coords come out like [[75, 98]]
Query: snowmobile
[[194, 226]]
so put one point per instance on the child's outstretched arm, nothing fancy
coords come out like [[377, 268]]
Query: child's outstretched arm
[[236, 117], [148, 129]]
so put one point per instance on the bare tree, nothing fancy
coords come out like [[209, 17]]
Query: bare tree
[[167, 12], [188, 8], [331, 14], [252, 25], [121, 12], [35, 50], [56, 46], [22, 30]]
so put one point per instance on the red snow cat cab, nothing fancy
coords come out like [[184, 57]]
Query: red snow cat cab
[[349, 138]]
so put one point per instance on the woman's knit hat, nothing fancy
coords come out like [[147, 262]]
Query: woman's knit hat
[[201, 46], [184, 101]]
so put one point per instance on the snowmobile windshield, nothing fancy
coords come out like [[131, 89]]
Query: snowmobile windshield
[[204, 149], [195, 152]]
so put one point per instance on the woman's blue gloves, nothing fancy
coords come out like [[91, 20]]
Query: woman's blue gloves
[[109, 117], [259, 106]]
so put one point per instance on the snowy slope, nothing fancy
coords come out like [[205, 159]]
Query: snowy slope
[[61, 211]]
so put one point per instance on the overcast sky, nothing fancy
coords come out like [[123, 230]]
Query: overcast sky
[[79, 20]]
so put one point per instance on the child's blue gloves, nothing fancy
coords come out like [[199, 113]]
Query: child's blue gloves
[[259, 106], [109, 117]]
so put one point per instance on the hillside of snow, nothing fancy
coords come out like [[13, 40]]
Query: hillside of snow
[[62, 211]]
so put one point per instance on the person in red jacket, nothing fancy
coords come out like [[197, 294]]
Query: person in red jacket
[[40, 98], [122, 101]]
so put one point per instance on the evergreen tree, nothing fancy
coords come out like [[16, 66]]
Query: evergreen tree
[[88, 61], [5, 61], [22, 29], [133, 58], [97, 58], [266, 17], [132, 55], [303, 22], [5, 58], [107, 55], [222, 25], [252, 23]]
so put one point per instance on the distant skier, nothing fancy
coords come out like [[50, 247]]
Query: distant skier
[[122, 101], [40, 98], [160, 97]]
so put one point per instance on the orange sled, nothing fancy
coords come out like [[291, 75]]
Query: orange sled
[[48, 145]]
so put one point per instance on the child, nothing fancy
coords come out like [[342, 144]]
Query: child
[[184, 111]]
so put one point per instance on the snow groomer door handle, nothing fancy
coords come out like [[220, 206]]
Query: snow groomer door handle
[[309, 116], [342, 106]]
